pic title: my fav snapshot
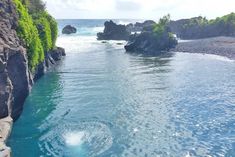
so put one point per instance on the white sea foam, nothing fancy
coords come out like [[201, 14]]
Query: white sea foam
[[98, 29], [123, 22], [211, 57], [221, 58], [76, 43], [188, 155], [74, 138]]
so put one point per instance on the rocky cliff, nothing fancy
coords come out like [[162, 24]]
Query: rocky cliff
[[15, 77], [112, 31], [15, 81]]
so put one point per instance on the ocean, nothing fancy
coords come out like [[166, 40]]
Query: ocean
[[103, 102]]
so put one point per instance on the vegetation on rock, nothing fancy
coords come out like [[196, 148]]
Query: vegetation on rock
[[200, 27], [153, 39], [36, 28]]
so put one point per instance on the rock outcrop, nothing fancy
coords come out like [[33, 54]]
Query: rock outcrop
[[51, 58], [147, 42], [112, 31], [200, 27], [57, 53], [69, 29], [139, 27]]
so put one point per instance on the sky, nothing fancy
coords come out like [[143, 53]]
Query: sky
[[138, 9]]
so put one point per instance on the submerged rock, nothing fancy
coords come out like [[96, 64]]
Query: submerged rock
[[112, 31], [69, 29]]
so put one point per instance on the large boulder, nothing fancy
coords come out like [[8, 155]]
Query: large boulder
[[112, 31], [69, 29], [148, 42], [57, 53]]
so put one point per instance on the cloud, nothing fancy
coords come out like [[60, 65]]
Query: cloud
[[140, 9], [123, 5]]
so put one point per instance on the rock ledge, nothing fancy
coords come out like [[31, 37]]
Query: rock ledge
[[5, 130]]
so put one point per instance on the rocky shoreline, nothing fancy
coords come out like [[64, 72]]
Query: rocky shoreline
[[221, 46]]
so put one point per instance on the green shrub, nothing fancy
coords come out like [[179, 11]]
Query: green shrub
[[44, 31], [161, 26], [48, 29], [54, 29], [37, 29], [28, 33]]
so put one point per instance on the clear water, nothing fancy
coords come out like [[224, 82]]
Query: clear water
[[101, 102]]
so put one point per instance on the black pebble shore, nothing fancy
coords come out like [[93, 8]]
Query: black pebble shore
[[222, 46]]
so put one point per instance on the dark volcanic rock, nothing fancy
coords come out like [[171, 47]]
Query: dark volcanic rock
[[14, 74], [5, 94], [112, 31], [51, 58], [199, 27], [39, 71], [57, 53], [147, 43], [17, 67], [146, 23], [185, 29], [139, 27], [69, 29]]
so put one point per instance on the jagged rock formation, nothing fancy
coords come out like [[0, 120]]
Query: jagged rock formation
[[50, 60], [147, 43], [69, 29], [153, 40], [112, 31], [139, 27]]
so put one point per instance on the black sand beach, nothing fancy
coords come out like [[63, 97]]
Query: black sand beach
[[222, 46]]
